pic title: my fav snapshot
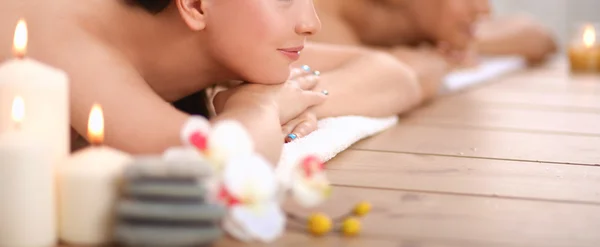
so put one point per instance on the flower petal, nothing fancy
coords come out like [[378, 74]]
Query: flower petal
[[194, 124], [233, 229], [310, 192], [227, 140], [186, 154], [307, 197], [250, 176], [265, 223]]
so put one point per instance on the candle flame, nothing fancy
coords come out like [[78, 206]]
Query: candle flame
[[96, 125], [589, 36], [20, 39], [18, 110]]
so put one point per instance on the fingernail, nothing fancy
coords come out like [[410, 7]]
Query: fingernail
[[290, 137], [306, 68], [317, 73]]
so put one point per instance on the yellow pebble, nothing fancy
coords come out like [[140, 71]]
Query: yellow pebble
[[319, 224], [362, 209], [351, 227]]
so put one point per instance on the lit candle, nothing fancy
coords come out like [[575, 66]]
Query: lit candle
[[88, 187], [584, 54], [46, 91], [27, 199]]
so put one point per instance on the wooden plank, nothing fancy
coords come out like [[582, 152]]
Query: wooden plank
[[296, 237], [457, 175], [566, 102], [562, 84], [483, 143], [431, 220], [487, 115], [477, 221], [364, 241]]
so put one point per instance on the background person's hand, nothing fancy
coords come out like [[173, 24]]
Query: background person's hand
[[516, 36], [430, 66], [465, 58]]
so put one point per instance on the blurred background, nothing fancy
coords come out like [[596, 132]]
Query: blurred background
[[560, 15]]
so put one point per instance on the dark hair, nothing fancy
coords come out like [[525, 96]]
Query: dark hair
[[194, 104], [153, 6]]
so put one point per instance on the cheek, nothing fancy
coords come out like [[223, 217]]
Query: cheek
[[245, 42]]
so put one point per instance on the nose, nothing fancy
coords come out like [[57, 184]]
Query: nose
[[309, 23]]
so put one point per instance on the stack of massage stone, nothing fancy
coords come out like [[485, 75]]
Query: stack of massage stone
[[163, 204]]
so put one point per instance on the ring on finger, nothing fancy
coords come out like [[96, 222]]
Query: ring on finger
[[306, 68], [290, 137]]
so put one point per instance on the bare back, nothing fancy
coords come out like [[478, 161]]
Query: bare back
[[49, 24], [68, 34]]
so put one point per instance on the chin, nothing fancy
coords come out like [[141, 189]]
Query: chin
[[269, 76]]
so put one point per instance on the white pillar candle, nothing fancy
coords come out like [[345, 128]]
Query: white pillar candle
[[46, 91], [27, 200], [88, 187]]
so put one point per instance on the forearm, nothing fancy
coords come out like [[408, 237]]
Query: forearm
[[375, 85], [261, 122], [499, 43], [518, 35], [429, 67]]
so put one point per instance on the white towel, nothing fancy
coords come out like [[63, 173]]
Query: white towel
[[335, 135], [488, 69]]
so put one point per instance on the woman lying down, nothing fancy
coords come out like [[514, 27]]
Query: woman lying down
[[140, 59]]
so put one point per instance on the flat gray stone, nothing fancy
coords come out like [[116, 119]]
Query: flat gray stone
[[165, 189], [154, 167], [135, 235], [171, 212], [150, 189]]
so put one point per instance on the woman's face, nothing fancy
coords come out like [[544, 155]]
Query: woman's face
[[449, 21], [389, 22], [259, 39]]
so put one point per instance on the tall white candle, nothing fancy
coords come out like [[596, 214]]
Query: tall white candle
[[46, 91], [27, 199], [88, 187]]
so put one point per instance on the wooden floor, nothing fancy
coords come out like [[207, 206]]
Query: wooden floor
[[511, 163]]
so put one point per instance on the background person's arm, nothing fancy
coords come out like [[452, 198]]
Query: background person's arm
[[518, 35], [377, 83]]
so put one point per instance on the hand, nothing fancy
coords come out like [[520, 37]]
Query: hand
[[519, 35], [290, 98], [535, 40], [300, 126], [430, 66], [465, 58]]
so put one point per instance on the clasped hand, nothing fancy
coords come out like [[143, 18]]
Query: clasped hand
[[292, 100]]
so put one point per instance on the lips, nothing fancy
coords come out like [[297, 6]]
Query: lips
[[293, 53]]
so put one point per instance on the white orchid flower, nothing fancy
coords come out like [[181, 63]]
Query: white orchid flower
[[217, 144], [310, 186], [249, 189], [194, 132], [228, 139]]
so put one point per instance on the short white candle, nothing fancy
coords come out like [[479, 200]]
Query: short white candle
[[88, 187], [27, 199], [46, 91]]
